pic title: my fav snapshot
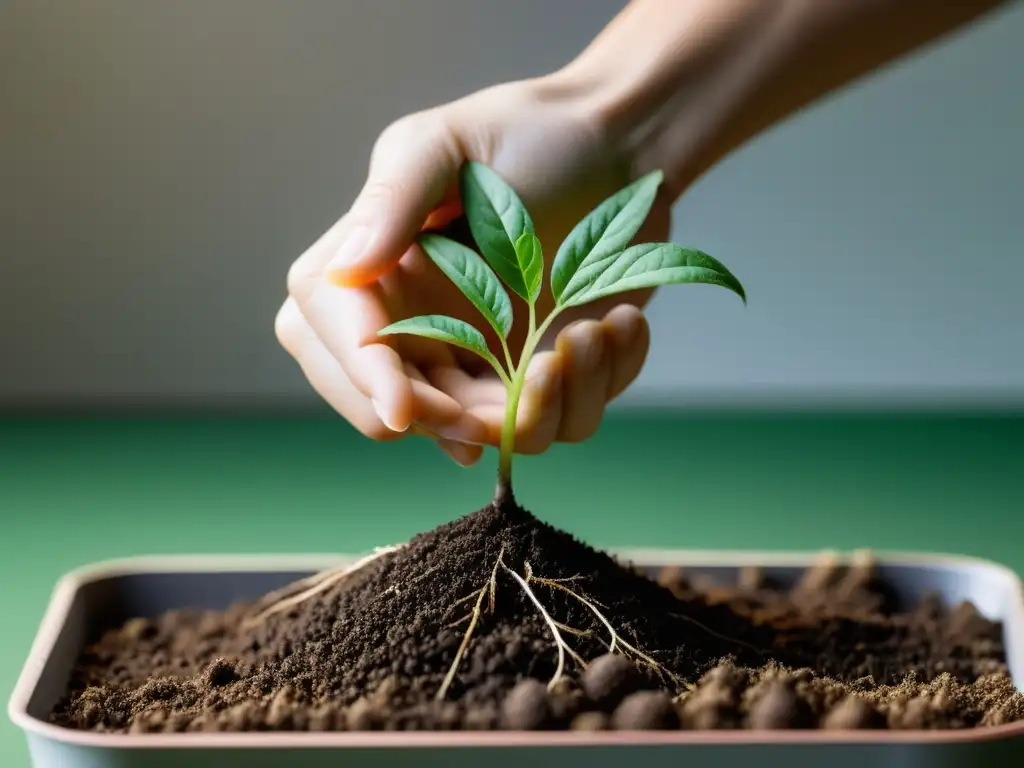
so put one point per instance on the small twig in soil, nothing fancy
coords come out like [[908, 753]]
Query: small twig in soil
[[490, 588], [315, 585], [617, 641]]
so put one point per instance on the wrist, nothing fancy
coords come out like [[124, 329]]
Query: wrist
[[666, 83]]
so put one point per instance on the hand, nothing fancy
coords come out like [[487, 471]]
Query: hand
[[367, 272]]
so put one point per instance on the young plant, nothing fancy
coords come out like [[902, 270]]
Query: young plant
[[595, 260]]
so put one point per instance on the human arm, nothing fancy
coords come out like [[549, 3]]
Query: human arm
[[682, 84]]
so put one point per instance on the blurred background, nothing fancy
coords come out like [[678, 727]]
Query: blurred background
[[163, 163]]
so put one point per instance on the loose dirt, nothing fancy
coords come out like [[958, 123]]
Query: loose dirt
[[563, 636]]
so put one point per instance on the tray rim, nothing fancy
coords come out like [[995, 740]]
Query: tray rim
[[68, 585]]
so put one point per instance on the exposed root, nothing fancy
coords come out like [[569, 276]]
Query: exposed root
[[473, 617], [566, 580], [562, 646], [617, 643], [573, 630], [490, 588], [464, 619], [284, 599]]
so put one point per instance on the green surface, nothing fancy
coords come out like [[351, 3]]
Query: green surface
[[76, 491]]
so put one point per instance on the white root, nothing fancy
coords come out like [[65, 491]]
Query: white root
[[315, 585], [474, 617], [490, 588], [560, 643], [616, 639]]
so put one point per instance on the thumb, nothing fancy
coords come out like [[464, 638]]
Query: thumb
[[414, 163]]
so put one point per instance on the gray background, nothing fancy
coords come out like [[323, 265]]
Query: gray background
[[164, 162]]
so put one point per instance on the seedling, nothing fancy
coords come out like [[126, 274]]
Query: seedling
[[596, 260]]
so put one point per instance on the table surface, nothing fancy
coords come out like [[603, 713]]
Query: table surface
[[73, 491]]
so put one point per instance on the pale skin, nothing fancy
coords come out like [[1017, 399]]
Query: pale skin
[[675, 86]]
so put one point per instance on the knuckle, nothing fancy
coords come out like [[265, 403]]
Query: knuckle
[[428, 132], [396, 131], [415, 126], [287, 326], [296, 279], [378, 193]]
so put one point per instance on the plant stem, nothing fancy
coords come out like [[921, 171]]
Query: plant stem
[[503, 492], [497, 369], [508, 362]]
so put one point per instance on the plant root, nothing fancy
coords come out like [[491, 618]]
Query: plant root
[[285, 599], [488, 589], [560, 643], [617, 643]]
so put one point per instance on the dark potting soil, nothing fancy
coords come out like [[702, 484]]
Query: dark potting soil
[[372, 651]]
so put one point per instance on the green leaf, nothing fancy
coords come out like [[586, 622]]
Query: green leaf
[[473, 277], [442, 328], [497, 219], [607, 229], [647, 266], [531, 263]]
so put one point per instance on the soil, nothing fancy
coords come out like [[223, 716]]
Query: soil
[[373, 651]]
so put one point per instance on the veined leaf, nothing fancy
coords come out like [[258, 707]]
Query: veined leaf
[[606, 230], [497, 219], [442, 328], [531, 263], [474, 278], [647, 266]]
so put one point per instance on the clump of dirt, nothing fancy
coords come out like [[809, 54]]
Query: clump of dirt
[[498, 620]]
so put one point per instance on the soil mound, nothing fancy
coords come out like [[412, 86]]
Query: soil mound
[[559, 635]]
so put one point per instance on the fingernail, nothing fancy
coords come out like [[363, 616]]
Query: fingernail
[[352, 248], [384, 416], [457, 452]]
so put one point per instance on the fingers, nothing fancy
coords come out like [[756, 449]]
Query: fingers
[[431, 410], [626, 328], [346, 321], [439, 416], [469, 391], [600, 360], [587, 355], [461, 453], [540, 407], [326, 375], [414, 164]]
